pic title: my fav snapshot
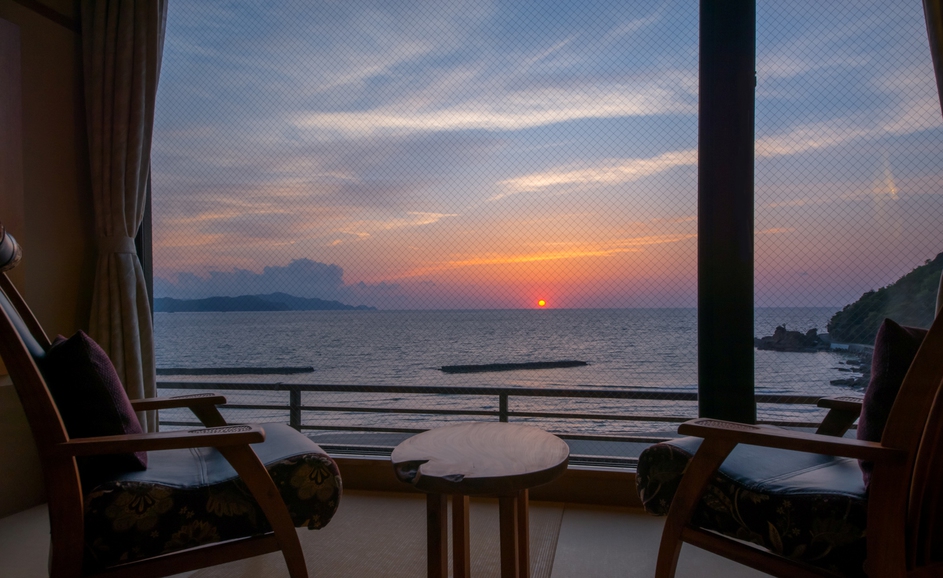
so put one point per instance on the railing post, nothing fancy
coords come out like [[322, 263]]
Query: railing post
[[503, 407], [294, 408]]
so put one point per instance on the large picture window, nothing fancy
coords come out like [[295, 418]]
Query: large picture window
[[352, 199]]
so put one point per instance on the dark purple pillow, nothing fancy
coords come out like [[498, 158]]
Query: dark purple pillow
[[894, 350], [91, 401]]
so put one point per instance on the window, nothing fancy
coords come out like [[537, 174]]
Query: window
[[848, 143], [509, 183]]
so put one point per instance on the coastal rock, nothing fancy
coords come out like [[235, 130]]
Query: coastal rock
[[860, 364], [784, 340]]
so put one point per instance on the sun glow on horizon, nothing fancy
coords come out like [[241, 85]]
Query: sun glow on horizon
[[541, 303]]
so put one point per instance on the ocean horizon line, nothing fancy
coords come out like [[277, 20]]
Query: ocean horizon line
[[379, 310]]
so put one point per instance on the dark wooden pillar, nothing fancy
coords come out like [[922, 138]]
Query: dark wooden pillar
[[725, 209]]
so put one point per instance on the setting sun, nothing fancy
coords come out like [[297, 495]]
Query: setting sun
[[541, 303]]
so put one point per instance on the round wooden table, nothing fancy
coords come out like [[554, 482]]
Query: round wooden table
[[479, 459]]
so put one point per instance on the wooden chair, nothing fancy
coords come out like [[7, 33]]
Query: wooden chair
[[901, 513], [261, 491]]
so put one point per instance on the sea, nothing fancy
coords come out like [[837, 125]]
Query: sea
[[650, 349]]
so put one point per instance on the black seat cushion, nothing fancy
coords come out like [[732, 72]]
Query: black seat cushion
[[804, 506], [192, 497]]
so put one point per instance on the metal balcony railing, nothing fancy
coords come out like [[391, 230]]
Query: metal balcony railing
[[311, 418]]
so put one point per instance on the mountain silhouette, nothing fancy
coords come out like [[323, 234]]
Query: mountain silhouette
[[911, 300], [267, 302]]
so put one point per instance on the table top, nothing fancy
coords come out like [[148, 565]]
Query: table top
[[489, 458]]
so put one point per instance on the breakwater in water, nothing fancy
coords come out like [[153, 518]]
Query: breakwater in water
[[511, 366], [649, 348]]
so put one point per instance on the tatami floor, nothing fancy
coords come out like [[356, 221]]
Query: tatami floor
[[593, 542]]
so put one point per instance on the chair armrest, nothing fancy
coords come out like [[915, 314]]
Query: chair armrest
[[842, 413], [190, 400], [848, 403], [771, 437], [216, 437], [203, 405]]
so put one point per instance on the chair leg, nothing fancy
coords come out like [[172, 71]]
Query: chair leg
[[62, 562], [67, 532], [252, 471], [698, 474]]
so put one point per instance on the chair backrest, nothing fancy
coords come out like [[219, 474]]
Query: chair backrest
[[22, 343], [926, 496], [915, 425]]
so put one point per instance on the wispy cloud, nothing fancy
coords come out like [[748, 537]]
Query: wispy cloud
[[365, 228], [815, 44], [800, 140], [530, 61], [507, 111], [614, 172], [914, 114], [806, 138], [577, 251], [634, 25], [803, 202], [520, 85]]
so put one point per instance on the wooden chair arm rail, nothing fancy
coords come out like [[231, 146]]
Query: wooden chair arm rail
[[843, 412], [216, 437], [843, 403], [771, 437], [203, 405], [190, 400]]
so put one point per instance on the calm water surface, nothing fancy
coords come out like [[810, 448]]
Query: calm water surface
[[625, 348]]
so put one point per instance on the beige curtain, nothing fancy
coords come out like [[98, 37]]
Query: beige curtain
[[122, 45], [933, 11]]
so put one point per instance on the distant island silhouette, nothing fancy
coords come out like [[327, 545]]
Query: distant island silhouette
[[267, 302]]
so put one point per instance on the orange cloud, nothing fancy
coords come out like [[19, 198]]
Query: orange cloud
[[608, 249]]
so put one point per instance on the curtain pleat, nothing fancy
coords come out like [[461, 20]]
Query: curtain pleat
[[122, 45]]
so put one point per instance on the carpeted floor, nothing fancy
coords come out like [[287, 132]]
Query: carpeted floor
[[384, 535]]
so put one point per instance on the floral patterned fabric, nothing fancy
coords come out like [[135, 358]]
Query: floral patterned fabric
[[127, 519], [753, 500]]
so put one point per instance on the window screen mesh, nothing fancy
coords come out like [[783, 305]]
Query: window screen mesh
[[847, 182], [349, 197]]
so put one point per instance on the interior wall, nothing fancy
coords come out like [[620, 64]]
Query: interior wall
[[55, 227], [11, 140]]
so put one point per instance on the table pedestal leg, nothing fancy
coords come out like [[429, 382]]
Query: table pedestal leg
[[437, 536], [510, 553], [523, 534], [461, 557]]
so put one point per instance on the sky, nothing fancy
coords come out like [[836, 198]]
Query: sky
[[428, 155]]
